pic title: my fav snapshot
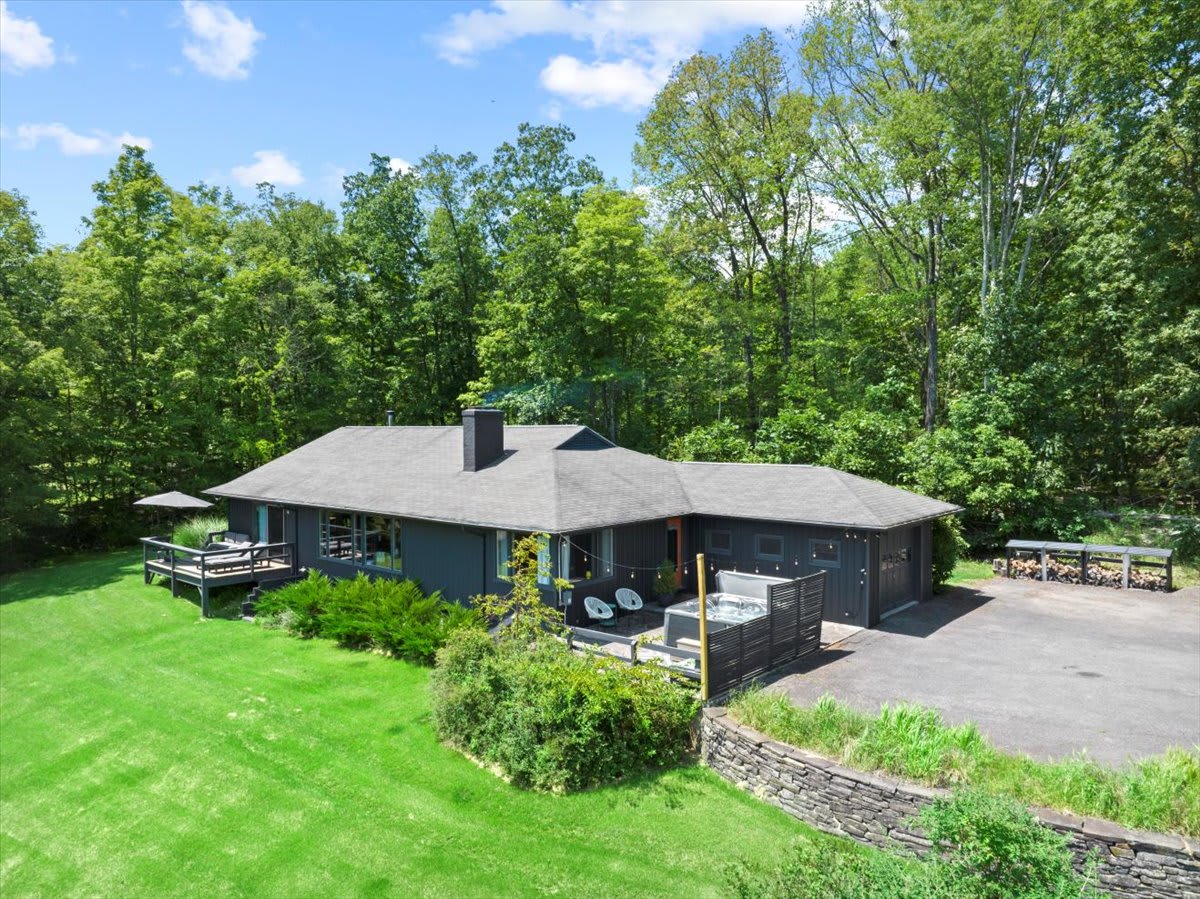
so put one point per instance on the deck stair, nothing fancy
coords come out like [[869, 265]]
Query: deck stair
[[252, 598]]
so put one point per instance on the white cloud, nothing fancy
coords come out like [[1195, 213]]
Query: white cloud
[[22, 44], [222, 45], [399, 166], [626, 83], [72, 143], [271, 166], [635, 45]]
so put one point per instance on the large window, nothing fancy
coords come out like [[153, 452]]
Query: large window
[[338, 537], [719, 542], [371, 540], [825, 553], [768, 547], [381, 536], [503, 554], [587, 556]]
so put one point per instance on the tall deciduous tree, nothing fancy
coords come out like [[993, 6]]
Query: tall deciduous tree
[[726, 146], [883, 145]]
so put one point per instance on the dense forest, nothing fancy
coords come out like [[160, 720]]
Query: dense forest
[[953, 245]]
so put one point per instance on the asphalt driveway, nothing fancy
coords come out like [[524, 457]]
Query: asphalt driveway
[[1042, 669]]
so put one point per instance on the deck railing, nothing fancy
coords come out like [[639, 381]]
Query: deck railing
[[586, 635], [198, 567]]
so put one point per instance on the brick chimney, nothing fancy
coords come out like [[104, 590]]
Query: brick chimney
[[483, 437]]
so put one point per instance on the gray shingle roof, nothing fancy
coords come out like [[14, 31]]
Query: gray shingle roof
[[417, 472], [559, 478], [807, 494]]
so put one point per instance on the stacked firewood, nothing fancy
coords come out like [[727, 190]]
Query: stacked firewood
[[1097, 574]]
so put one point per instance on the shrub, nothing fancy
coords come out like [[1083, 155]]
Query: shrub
[[395, 617], [303, 601], [664, 578], [993, 847], [194, 532], [553, 720], [947, 544], [988, 847]]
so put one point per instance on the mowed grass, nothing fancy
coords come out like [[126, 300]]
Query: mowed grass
[[144, 752], [968, 571]]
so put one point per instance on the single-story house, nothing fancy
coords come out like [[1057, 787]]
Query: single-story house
[[444, 505]]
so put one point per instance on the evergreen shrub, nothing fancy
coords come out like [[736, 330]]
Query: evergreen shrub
[[395, 617]]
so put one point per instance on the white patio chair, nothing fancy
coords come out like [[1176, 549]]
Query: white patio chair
[[599, 611], [629, 601]]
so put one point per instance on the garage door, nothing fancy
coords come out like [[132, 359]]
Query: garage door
[[897, 569]]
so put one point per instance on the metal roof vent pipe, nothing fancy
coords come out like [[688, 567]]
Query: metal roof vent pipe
[[483, 437], [391, 417]]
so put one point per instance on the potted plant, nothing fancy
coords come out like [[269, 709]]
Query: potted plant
[[664, 582]]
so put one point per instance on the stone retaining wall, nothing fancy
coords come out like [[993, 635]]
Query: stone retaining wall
[[872, 809]]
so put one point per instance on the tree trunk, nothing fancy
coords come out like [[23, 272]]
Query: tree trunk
[[931, 326], [748, 356]]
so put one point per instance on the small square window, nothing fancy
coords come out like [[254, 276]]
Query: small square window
[[825, 553], [720, 542], [768, 547]]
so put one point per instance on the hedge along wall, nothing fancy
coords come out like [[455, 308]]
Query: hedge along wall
[[872, 809]]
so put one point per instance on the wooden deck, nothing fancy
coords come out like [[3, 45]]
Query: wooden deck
[[206, 569], [190, 574]]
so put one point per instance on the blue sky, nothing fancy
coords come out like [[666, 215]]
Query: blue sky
[[301, 93]]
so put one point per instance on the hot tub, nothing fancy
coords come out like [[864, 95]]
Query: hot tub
[[682, 621]]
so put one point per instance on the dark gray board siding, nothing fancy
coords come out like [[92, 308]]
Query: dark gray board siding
[[242, 517], [442, 557], [845, 585], [637, 550]]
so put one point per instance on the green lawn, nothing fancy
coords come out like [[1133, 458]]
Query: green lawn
[[969, 570], [144, 752]]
